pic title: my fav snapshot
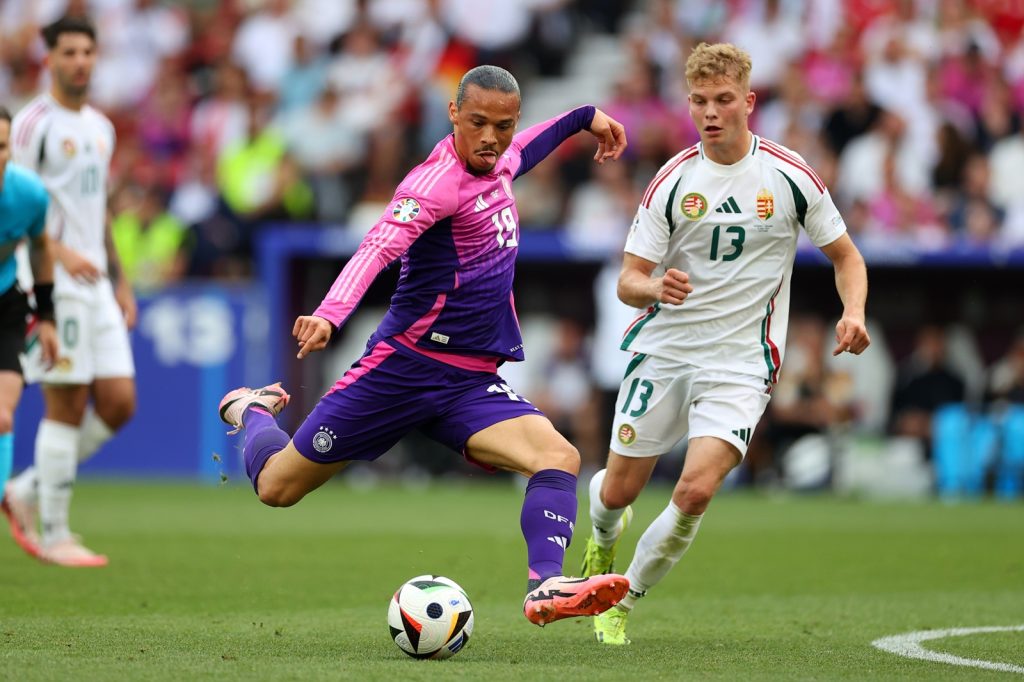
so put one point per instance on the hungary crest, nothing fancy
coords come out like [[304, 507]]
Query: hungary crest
[[627, 434], [765, 204], [694, 205]]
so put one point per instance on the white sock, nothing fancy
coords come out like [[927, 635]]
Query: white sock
[[92, 434], [25, 485], [605, 521], [660, 547], [56, 465]]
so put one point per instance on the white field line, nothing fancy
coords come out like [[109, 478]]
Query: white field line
[[909, 645]]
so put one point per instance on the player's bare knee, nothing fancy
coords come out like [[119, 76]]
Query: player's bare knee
[[693, 496], [693, 502], [618, 498], [66, 406], [278, 493], [275, 498], [6, 421], [116, 414], [565, 458]]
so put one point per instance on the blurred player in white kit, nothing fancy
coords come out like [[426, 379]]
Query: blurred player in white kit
[[90, 389]]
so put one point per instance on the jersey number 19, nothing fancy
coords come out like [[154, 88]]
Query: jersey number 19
[[506, 228]]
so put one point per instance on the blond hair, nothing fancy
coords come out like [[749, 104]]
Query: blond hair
[[717, 62]]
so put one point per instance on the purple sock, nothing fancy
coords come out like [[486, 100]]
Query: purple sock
[[263, 439], [547, 520]]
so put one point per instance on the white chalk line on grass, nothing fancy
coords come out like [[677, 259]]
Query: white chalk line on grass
[[909, 645]]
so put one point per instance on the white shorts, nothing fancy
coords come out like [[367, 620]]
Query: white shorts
[[660, 401], [92, 337]]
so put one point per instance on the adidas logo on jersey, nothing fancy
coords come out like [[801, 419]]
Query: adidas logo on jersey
[[480, 204], [730, 206], [743, 434]]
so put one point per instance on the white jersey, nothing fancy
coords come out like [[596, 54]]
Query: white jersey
[[734, 230], [71, 152]]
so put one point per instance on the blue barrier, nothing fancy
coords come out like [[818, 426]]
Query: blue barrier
[[981, 452], [950, 425], [1010, 475], [968, 447], [192, 344]]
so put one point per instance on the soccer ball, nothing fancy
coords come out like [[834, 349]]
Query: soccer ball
[[430, 617]]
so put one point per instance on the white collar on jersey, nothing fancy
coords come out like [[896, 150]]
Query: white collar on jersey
[[732, 168]]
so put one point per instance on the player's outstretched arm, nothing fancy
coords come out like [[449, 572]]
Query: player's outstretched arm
[[852, 285], [637, 288], [611, 137], [312, 334]]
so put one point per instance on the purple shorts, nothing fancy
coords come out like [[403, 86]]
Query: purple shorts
[[391, 391]]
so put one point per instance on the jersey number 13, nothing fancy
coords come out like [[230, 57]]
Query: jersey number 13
[[735, 246]]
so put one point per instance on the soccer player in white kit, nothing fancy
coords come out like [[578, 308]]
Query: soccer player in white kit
[[69, 145], [708, 262]]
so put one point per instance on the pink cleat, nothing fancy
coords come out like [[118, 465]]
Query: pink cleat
[[272, 398], [21, 516], [72, 553], [560, 597]]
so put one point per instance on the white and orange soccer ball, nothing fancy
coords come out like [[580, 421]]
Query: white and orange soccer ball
[[430, 617]]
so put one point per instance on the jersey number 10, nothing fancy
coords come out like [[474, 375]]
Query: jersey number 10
[[90, 181]]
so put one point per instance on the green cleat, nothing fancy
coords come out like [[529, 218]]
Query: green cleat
[[598, 560], [610, 626]]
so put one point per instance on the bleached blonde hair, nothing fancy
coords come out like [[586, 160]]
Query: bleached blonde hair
[[718, 61]]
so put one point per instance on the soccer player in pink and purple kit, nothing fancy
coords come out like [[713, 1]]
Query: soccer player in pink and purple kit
[[432, 363]]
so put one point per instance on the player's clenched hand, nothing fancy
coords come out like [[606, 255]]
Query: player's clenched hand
[[312, 334], [851, 336], [610, 134], [674, 286]]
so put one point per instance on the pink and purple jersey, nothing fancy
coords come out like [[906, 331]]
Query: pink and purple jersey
[[457, 235]]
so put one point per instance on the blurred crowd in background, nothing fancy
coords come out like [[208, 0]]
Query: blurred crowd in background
[[233, 114]]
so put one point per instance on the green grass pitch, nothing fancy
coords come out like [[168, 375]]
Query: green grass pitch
[[207, 584]]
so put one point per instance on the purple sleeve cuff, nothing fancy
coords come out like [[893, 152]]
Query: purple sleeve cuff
[[540, 140]]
